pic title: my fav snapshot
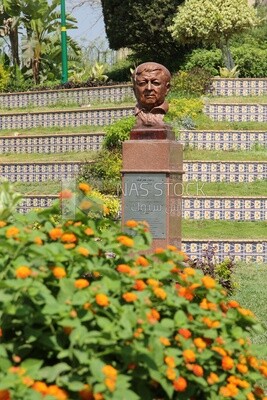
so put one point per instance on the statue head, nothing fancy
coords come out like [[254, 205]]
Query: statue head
[[151, 84]]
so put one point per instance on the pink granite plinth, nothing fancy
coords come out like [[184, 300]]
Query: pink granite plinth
[[152, 187], [162, 133]]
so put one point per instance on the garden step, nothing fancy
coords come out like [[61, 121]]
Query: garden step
[[244, 250], [193, 207], [204, 171], [239, 86], [238, 112], [60, 143], [79, 96], [63, 118]]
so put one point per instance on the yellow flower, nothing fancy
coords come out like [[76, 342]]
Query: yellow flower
[[160, 293], [208, 282], [2, 224]]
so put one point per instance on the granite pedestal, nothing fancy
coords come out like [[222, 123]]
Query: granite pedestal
[[152, 183]]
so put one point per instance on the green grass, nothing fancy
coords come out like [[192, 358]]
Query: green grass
[[36, 157], [252, 189], [216, 229], [237, 99], [52, 131], [223, 155], [36, 188]]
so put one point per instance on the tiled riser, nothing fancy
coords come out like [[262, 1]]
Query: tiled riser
[[239, 87], [194, 208], [72, 118], [237, 112], [51, 144], [242, 250], [208, 140], [232, 140], [67, 96], [194, 170]]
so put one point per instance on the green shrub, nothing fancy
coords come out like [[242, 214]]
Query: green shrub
[[209, 60], [4, 78], [191, 83], [104, 172], [120, 72], [182, 111], [117, 133], [251, 61], [78, 323]]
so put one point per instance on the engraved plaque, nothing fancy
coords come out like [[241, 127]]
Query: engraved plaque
[[145, 200]]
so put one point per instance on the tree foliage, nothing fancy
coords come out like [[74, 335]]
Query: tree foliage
[[213, 22], [141, 25]]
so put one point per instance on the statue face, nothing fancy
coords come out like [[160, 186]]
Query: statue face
[[150, 88]]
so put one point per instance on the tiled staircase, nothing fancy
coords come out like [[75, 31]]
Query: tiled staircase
[[198, 207]]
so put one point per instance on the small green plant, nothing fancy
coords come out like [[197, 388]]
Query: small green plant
[[4, 78], [191, 83], [183, 111], [117, 133], [229, 73]]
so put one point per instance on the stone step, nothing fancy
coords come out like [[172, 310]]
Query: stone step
[[63, 118], [60, 143], [244, 250], [236, 112], [203, 171], [193, 207], [239, 86], [79, 96]]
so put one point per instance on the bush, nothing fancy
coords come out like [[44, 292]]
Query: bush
[[77, 323], [182, 112], [117, 133], [104, 172], [4, 78], [191, 83], [251, 61], [209, 60], [120, 72]]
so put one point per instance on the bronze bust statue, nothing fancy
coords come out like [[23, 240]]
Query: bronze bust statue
[[151, 83]]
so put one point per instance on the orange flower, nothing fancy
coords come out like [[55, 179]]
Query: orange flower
[[189, 355], [27, 381], [208, 282], [153, 316], [38, 240], [102, 300], [67, 330], [65, 194], [110, 384], [69, 246], [141, 260], [212, 378], [227, 363], [184, 255], [186, 293], [210, 323], [98, 396], [199, 343], [84, 187], [13, 231], [170, 361], [159, 250], [68, 238], [245, 312], [40, 387], [207, 305], [185, 333], [58, 393], [180, 384], [242, 368], [189, 271], [219, 350], [160, 293], [165, 341], [153, 282], [86, 393], [85, 204], [171, 374], [129, 297], [125, 241], [172, 248], [89, 231], [4, 395], [124, 268], [110, 371], [59, 272], [23, 272], [198, 370], [81, 283], [229, 390], [55, 233], [131, 224], [250, 396], [139, 285], [2, 224], [233, 304], [83, 251], [138, 332]]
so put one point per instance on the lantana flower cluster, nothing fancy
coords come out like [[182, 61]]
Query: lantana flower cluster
[[88, 313]]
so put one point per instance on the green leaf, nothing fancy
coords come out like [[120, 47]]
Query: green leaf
[[180, 318], [51, 373]]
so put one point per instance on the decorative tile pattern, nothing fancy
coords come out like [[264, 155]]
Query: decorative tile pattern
[[236, 112], [51, 143], [239, 87], [203, 171], [224, 171], [223, 140], [64, 118], [35, 202], [225, 208], [246, 250], [67, 96]]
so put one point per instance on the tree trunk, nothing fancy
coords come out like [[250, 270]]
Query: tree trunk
[[14, 41], [227, 56]]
